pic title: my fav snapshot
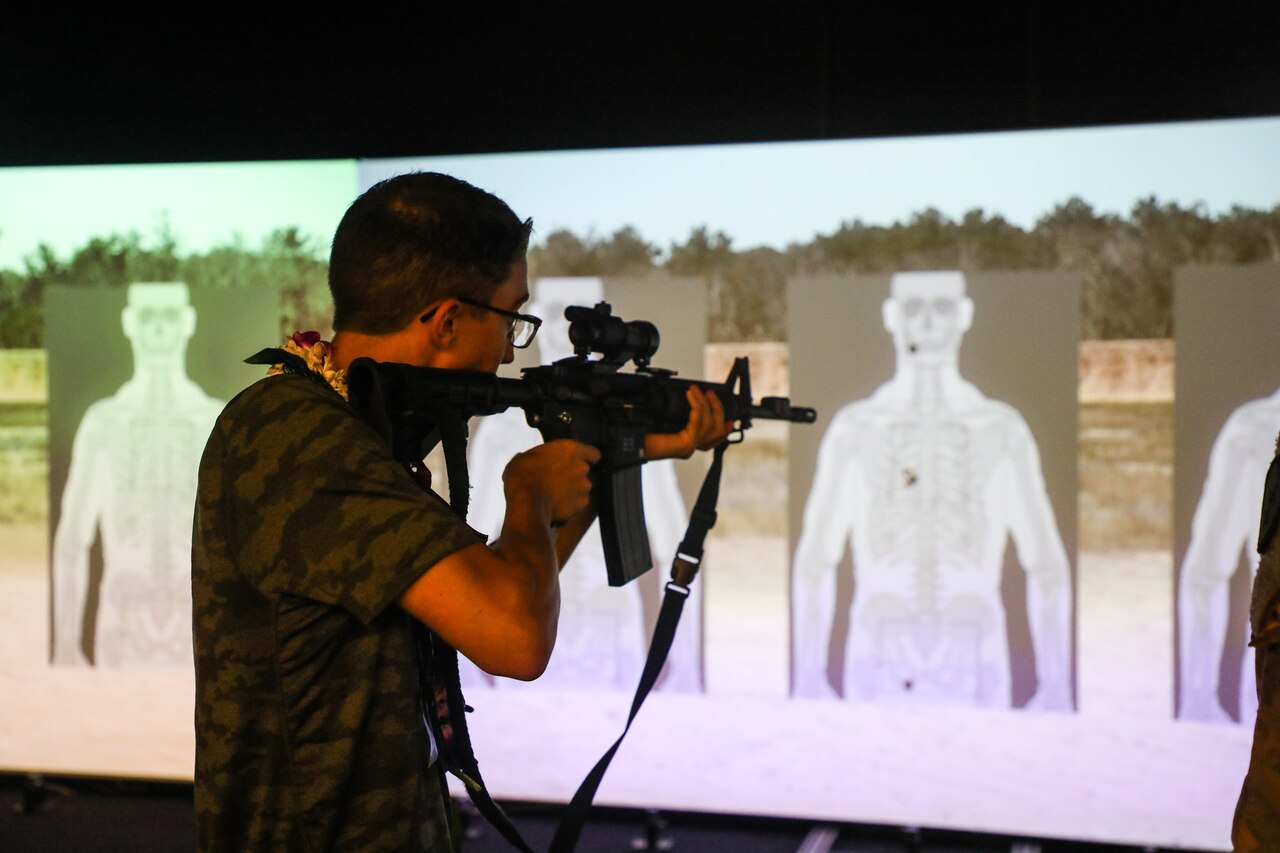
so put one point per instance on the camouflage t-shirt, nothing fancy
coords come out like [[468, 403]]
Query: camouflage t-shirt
[[309, 727]]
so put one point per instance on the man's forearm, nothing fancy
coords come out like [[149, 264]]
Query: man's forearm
[[568, 535], [528, 541]]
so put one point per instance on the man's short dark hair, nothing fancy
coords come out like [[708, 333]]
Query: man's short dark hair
[[414, 239]]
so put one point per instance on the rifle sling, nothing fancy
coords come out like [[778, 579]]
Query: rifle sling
[[683, 570], [437, 659], [459, 756]]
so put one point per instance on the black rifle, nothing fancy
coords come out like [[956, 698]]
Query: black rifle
[[585, 399]]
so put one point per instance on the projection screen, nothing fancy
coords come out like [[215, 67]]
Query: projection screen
[[952, 602]]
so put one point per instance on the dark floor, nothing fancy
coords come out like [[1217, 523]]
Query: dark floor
[[88, 816], [97, 816]]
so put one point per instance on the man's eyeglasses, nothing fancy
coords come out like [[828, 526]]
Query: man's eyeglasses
[[521, 327]]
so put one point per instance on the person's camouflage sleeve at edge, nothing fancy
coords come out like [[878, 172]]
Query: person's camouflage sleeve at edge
[[1257, 820]]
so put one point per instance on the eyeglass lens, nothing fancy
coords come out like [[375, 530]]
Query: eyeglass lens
[[522, 332]]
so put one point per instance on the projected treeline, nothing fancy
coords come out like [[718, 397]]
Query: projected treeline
[[294, 264], [1127, 262]]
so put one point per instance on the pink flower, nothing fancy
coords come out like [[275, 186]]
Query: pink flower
[[306, 339]]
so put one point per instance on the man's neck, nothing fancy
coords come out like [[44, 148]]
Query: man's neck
[[395, 347]]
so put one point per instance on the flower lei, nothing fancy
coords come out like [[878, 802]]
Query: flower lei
[[318, 356]]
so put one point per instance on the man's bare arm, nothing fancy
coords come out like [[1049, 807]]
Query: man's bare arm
[[498, 604]]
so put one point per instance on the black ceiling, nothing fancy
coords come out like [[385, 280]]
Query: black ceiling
[[94, 88]]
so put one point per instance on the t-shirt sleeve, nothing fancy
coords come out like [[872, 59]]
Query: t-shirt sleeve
[[320, 510]]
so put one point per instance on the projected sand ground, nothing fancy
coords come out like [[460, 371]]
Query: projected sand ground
[[1113, 768], [79, 721]]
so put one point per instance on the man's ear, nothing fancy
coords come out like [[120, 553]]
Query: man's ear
[[442, 327]]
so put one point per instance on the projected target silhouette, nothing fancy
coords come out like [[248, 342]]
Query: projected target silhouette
[[132, 484], [924, 481], [1225, 526]]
